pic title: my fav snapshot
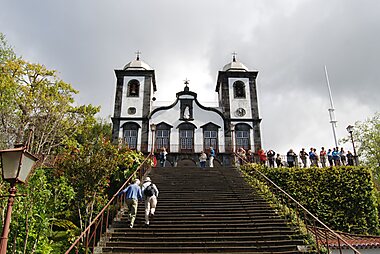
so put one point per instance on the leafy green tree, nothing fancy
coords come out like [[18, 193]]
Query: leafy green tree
[[33, 97], [366, 136], [61, 201], [7, 92], [41, 215]]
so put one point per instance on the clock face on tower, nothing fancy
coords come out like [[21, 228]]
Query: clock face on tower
[[240, 112]]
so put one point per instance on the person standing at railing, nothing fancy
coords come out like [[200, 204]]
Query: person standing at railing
[[323, 156], [336, 156], [270, 155], [250, 156], [303, 155], [150, 194], [343, 158], [163, 155], [132, 197], [330, 158], [291, 158], [312, 157], [242, 156], [279, 161], [350, 159], [262, 156], [212, 156], [203, 159]]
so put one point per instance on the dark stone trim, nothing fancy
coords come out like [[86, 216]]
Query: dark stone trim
[[166, 124], [122, 126], [210, 123], [251, 120], [128, 118], [179, 125], [196, 101]]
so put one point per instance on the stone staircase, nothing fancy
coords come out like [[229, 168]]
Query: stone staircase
[[210, 210]]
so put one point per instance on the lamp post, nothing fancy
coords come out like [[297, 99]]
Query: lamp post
[[153, 128], [350, 130], [17, 164], [232, 127]]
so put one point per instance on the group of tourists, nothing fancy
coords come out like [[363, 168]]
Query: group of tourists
[[148, 192], [323, 158], [162, 157]]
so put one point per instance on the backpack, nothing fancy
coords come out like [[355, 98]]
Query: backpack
[[149, 191]]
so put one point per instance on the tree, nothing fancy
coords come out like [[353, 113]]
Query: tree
[[367, 135], [7, 91], [62, 199], [34, 98], [367, 139], [95, 167]]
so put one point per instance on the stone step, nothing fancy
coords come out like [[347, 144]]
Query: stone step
[[199, 211], [203, 242], [204, 249]]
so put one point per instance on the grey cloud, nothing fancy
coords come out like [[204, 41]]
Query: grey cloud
[[288, 42]]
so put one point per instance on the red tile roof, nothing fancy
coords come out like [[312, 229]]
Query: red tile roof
[[357, 241]]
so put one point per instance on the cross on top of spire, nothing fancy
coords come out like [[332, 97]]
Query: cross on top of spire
[[186, 81], [138, 53], [234, 54]]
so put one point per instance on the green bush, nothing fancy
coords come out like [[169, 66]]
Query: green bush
[[344, 198]]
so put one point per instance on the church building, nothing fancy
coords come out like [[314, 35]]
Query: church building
[[186, 127]]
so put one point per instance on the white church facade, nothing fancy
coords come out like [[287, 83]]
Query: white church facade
[[186, 127]]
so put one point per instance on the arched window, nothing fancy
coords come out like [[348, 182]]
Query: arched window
[[210, 136], [163, 136], [242, 136], [239, 89], [133, 88], [130, 131], [186, 137]]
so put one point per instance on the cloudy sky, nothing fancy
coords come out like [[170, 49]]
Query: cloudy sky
[[289, 42]]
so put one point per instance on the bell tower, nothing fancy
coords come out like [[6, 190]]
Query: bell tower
[[135, 86], [237, 97]]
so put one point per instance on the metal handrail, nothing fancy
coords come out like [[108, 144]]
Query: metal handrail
[[100, 223], [314, 230]]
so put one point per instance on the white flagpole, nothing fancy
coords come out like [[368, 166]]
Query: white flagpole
[[331, 109]]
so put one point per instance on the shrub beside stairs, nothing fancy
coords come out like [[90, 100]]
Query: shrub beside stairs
[[210, 210]]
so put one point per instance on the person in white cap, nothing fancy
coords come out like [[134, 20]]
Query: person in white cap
[[150, 194]]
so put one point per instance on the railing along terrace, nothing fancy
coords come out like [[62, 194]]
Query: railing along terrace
[[98, 228], [325, 238]]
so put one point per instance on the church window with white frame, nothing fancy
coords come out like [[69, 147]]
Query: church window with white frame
[[186, 137], [130, 135], [210, 136], [242, 135]]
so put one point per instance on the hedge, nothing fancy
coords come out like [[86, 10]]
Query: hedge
[[344, 198]]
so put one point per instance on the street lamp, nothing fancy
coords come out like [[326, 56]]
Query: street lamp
[[153, 128], [232, 128], [17, 164], [350, 130]]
